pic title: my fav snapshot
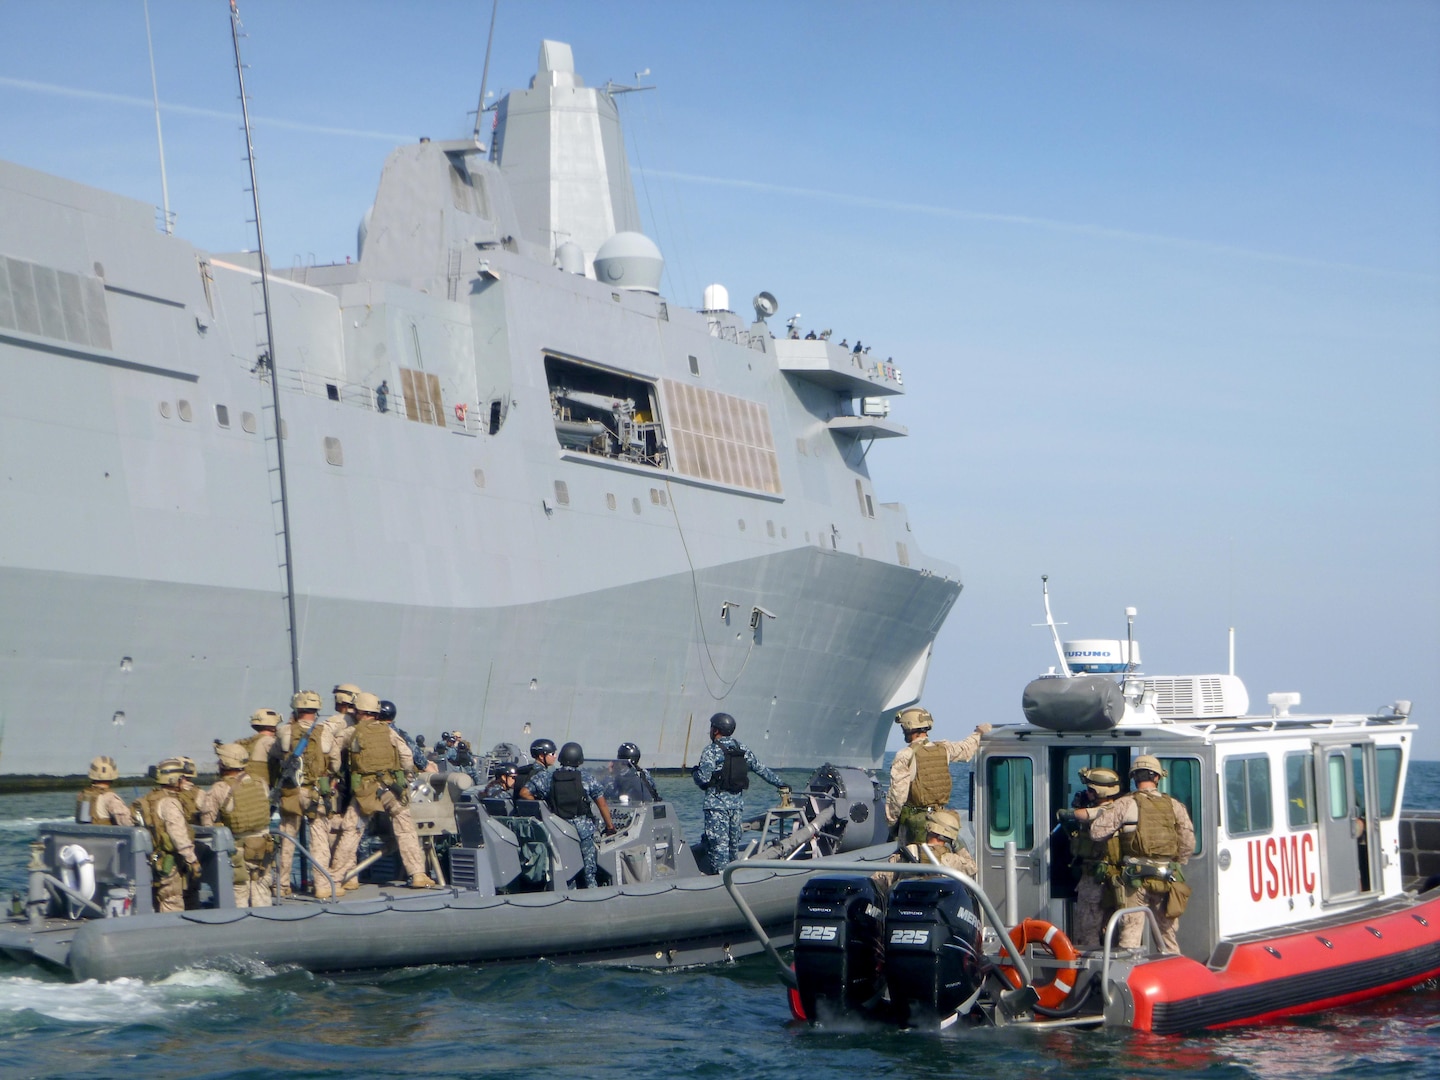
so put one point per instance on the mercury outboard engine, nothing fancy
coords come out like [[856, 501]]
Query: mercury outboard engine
[[838, 945], [934, 956]]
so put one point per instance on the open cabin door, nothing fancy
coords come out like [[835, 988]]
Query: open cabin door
[[1344, 793]]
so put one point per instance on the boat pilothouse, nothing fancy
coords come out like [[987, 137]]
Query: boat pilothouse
[[1307, 885]]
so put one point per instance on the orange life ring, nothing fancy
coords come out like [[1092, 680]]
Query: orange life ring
[[460, 410], [1039, 932]]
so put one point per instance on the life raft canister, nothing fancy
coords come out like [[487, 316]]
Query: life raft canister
[[460, 410], [1039, 932]]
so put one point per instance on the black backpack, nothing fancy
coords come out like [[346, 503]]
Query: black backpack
[[734, 774], [567, 797]]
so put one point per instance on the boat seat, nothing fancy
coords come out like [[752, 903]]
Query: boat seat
[[527, 808]]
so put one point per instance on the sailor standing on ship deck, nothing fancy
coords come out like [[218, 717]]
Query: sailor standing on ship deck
[[920, 773], [723, 772]]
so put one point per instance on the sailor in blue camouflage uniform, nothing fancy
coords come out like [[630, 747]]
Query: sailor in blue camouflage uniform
[[723, 773], [571, 793]]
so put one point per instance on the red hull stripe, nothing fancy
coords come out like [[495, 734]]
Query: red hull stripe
[[1304, 971], [1290, 995]]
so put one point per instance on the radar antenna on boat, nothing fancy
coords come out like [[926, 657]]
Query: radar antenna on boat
[[1054, 626]]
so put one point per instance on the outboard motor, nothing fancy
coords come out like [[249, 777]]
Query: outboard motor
[[838, 945], [934, 956]]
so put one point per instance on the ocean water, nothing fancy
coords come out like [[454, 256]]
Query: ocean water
[[478, 1021]]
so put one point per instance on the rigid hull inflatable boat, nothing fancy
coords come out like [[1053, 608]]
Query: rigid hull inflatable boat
[[1310, 887], [89, 911]]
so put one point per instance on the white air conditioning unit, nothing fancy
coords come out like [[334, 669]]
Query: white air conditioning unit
[[1198, 697]]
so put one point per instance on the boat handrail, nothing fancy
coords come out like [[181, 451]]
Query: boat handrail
[[358, 394], [867, 868], [315, 864], [1151, 926]]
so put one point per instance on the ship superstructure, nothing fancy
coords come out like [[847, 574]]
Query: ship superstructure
[[528, 494]]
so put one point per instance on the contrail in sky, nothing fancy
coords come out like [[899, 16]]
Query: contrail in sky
[[190, 110], [954, 214]]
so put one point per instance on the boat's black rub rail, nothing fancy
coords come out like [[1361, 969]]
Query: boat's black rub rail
[[1293, 991]]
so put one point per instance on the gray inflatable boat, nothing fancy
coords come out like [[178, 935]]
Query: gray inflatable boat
[[507, 898]]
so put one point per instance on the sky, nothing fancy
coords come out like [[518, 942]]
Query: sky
[[1163, 279]]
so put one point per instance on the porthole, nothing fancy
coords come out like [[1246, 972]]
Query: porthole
[[182, 409], [247, 421], [165, 409], [479, 478], [334, 453], [222, 415]]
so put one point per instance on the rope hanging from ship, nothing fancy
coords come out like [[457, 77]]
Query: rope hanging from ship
[[729, 684]]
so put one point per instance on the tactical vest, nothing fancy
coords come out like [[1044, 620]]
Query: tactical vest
[[931, 785], [567, 796], [1156, 836], [87, 810], [734, 774], [1088, 852], [260, 768], [148, 807], [371, 751], [314, 762], [189, 799], [248, 809]]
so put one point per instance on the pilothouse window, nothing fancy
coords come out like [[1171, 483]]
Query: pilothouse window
[[605, 413]]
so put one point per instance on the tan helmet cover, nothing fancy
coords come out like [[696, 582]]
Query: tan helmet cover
[[170, 771], [231, 755], [1105, 782], [345, 693], [306, 700], [104, 768], [1147, 762], [944, 823], [915, 719], [191, 770], [261, 718], [367, 703]]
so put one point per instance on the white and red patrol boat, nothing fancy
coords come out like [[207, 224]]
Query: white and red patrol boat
[[1311, 888]]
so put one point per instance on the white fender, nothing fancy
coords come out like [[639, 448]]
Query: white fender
[[77, 868]]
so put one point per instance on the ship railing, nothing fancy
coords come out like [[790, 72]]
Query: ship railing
[[458, 416]]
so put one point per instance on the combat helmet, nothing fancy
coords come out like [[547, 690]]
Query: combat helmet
[[306, 701], [542, 746], [1104, 782], [387, 710], [629, 752], [572, 755], [170, 771], [944, 823], [367, 703], [1147, 763], [104, 768], [723, 722], [263, 718], [503, 770], [345, 693], [231, 755], [914, 719]]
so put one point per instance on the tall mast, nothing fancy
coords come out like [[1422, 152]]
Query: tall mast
[[485, 71], [159, 137], [269, 354]]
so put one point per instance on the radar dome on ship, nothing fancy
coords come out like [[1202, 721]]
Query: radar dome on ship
[[630, 260], [716, 298]]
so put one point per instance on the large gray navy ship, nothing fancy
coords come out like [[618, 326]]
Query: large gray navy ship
[[526, 492]]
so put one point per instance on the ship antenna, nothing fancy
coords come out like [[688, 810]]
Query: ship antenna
[[485, 71], [1052, 624], [1130, 664], [269, 352], [159, 138]]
